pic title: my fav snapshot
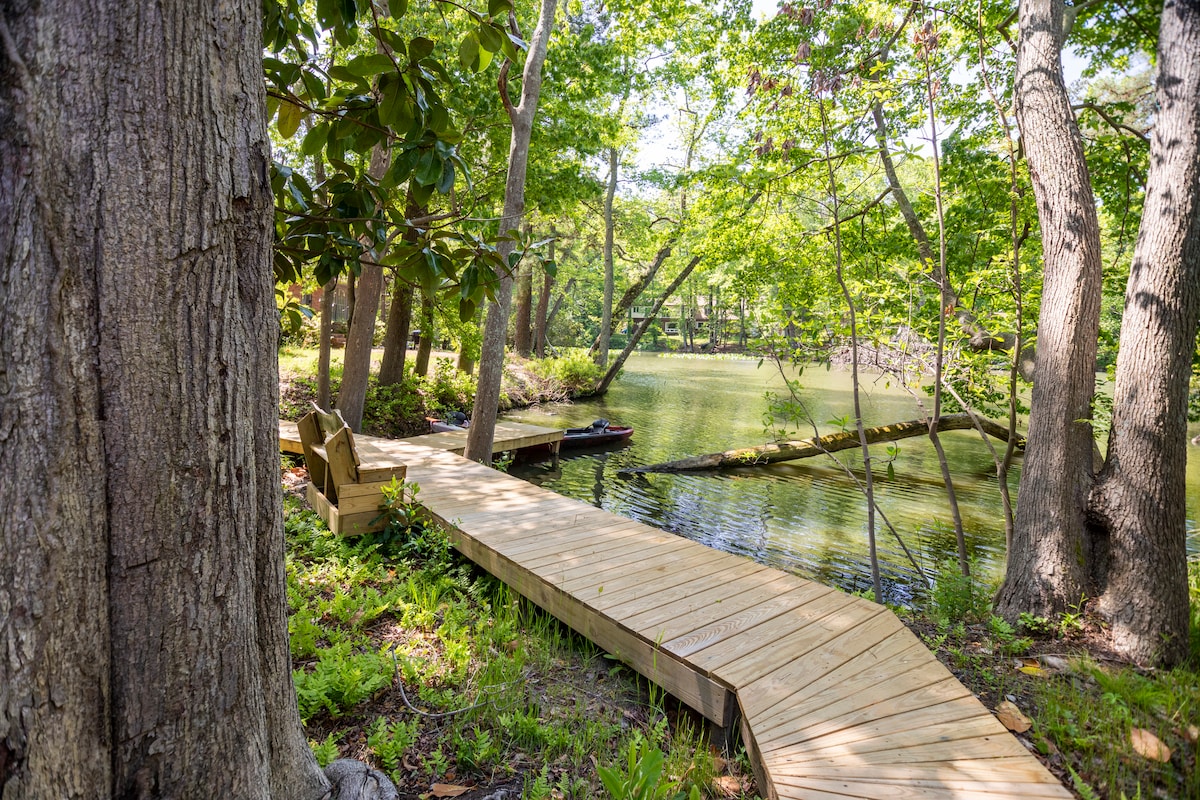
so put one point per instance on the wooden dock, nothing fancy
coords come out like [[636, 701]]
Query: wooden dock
[[835, 698], [509, 436]]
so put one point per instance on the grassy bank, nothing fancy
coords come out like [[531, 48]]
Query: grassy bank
[[407, 657], [1107, 728]]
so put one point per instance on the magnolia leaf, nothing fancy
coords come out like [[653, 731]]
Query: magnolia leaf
[[290, 115], [315, 139], [497, 8], [1035, 671], [490, 38], [1147, 745], [366, 66], [447, 790], [1012, 718], [468, 51], [419, 48], [397, 8]]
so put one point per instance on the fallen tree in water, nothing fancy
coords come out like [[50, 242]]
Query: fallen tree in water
[[822, 445]]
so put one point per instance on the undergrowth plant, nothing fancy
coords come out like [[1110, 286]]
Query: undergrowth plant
[[491, 684]]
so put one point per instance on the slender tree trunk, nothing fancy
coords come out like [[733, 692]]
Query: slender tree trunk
[[606, 306], [399, 320], [946, 301], [543, 304], [637, 287], [143, 650], [491, 367], [1139, 502], [1047, 566], [395, 341], [640, 330], [425, 346], [523, 322], [568, 289], [361, 337], [324, 344]]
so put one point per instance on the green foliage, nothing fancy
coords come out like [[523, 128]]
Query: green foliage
[[390, 741], [642, 778], [340, 680], [326, 751], [574, 369], [959, 598]]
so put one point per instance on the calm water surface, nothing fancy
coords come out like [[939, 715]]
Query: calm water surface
[[806, 517]]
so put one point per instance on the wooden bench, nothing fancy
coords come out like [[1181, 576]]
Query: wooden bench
[[345, 486]]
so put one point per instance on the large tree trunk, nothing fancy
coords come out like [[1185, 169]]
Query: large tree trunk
[[1139, 502], [356, 366], [1047, 566], [491, 366], [143, 650], [324, 344]]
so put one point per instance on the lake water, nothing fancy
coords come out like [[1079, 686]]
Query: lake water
[[807, 516]]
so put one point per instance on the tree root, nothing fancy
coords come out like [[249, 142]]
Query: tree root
[[354, 780]]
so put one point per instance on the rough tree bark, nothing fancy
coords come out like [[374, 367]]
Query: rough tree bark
[[356, 367], [491, 365], [1138, 505], [1047, 565], [143, 631]]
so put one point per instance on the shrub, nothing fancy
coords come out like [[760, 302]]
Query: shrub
[[574, 369]]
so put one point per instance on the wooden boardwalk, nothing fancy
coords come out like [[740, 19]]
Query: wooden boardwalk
[[834, 696]]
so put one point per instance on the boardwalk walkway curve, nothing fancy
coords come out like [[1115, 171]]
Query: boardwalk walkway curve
[[834, 696]]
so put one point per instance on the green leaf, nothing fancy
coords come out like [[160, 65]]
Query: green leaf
[[290, 116], [401, 169], [314, 86], [429, 169], [499, 8], [490, 38], [466, 309], [468, 51], [419, 48], [397, 8], [340, 73], [369, 66], [315, 139], [446, 181], [421, 193], [395, 110], [551, 268]]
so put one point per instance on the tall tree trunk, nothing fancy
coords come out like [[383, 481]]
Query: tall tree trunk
[[491, 367], [640, 330], [543, 304], [1047, 565], [144, 649], [361, 337], [425, 345], [606, 309], [324, 344], [395, 341], [523, 322], [1139, 502], [399, 321], [568, 289]]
